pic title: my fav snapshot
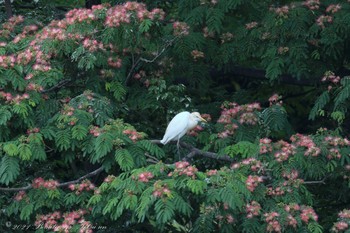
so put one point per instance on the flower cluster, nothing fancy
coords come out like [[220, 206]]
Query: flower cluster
[[333, 153], [278, 191], [343, 221], [291, 221], [207, 33], [53, 221], [181, 28], [265, 145], [95, 131], [161, 190], [7, 61], [20, 195], [9, 26], [292, 179], [307, 142], [245, 114], [133, 134], [109, 179], [26, 30], [253, 209], [114, 62], [285, 150], [252, 182], [281, 11], [33, 130], [195, 130], [92, 45], [212, 172], [324, 19], [9, 98], [308, 213], [333, 8], [80, 15], [330, 77], [251, 25], [272, 222], [145, 176], [184, 168], [226, 37], [312, 4], [34, 87], [85, 185], [255, 165], [337, 141], [275, 99], [197, 54], [292, 207], [41, 183], [126, 12]]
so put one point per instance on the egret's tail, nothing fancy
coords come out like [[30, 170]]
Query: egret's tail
[[164, 141]]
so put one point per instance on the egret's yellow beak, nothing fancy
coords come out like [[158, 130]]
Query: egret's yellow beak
[[202, 119]]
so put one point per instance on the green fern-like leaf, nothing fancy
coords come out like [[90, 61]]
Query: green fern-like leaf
[[24, 151], [314, 227], [181, 205], [214, 19], [146, 200], [103, 145], [274, 68], [5, 115], [151, 148], [342, 96], [118, 90], [63, 139], [26, 211], [9, 169], [124, 159], [112, 203], [197, 186], [275, 117], [10, 148], [243, 148], [320, 103], [79, 132], [165, 211], [145, 25]]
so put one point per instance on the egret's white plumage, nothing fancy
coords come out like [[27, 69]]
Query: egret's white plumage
[[180, 125]]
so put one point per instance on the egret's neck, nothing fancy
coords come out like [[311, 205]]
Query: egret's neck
[[191, 123]]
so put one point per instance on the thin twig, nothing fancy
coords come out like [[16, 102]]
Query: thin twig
[[316, 181], [136, 63], [64, 184], [152, 159]]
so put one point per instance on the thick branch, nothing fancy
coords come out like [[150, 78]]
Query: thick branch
[[195, 151], [57, 86], [8, 8], [60, 185]]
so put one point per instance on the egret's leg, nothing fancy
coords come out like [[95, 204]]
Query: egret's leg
[[178, 148]]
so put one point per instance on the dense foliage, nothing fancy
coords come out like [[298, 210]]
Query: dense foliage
[[84, 98]]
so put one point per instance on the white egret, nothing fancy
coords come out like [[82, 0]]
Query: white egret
[[180, 125]]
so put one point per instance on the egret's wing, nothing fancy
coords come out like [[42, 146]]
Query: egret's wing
[[176, 128]]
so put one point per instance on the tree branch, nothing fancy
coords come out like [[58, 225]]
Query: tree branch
[[57, 86], [195, 151], [158, 54], [316, 181], [60, 185], [8, 8]]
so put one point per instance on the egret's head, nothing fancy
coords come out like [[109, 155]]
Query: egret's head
[[197, 116]]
